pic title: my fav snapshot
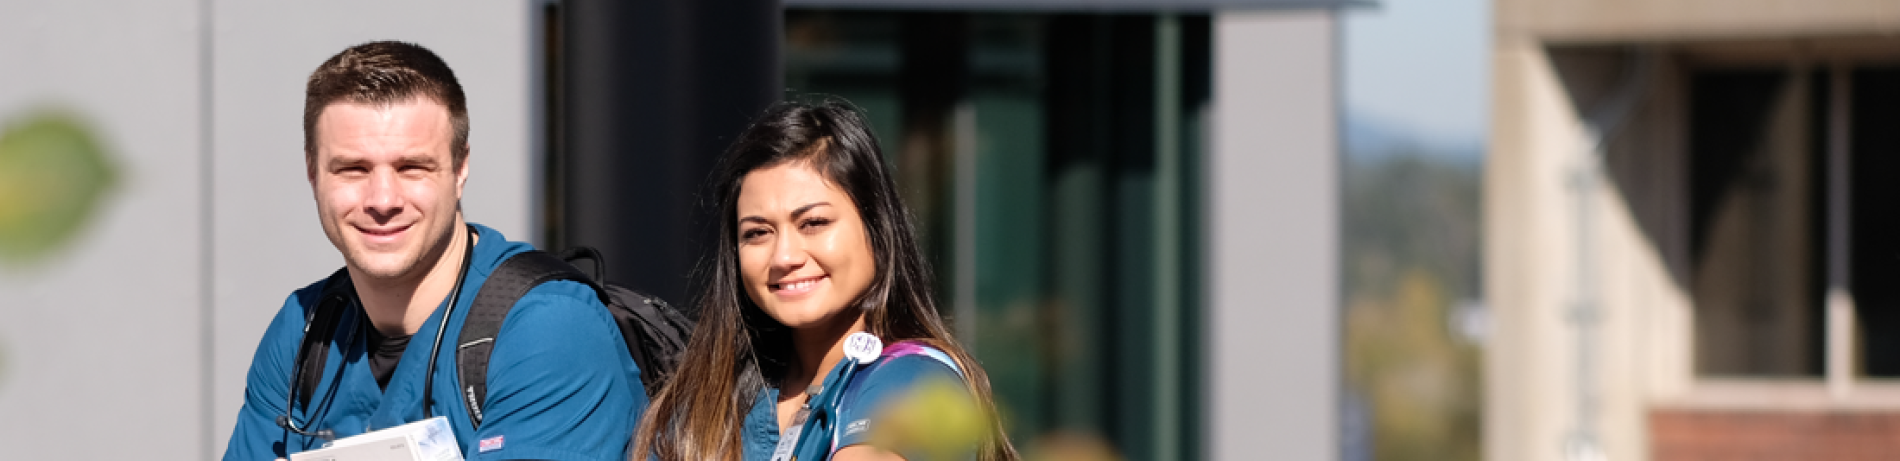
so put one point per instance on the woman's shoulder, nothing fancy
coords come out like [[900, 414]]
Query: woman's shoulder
[[907, 397], [915, 357], [904, 365]]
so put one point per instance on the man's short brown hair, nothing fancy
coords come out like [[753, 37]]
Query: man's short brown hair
[[384, 73]]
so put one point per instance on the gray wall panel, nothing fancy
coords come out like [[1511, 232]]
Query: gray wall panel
[[106, 332], [1272, 239]]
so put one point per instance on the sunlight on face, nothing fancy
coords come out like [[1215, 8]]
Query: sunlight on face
[[386, 184], [803, 251]]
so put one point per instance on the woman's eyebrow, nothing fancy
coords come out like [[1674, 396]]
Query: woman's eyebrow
[[800, 211], [803, 209]]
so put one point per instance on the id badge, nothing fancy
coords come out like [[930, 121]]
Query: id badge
[[788, 441]]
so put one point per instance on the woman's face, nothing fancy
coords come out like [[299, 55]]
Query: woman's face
[[802, 246]]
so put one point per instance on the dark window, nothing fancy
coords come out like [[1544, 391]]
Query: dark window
[[1026, 145], [1754, 223], [1875, 254], [1761, 235]]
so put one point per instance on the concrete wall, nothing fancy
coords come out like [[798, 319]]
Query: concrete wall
[[149, 320], [1622, 20], [1584, 254], [1572, 222], [1272, 184]]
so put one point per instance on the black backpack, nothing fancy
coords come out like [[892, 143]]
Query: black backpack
[[655, 332]]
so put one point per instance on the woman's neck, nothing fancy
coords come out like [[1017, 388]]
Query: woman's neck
[[819, 348]]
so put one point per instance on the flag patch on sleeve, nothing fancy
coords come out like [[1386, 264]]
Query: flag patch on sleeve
[[491, 444], [856, 426]]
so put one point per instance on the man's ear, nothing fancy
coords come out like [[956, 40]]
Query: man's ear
[[461, 174]]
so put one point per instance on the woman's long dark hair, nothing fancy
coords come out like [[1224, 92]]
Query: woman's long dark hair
[[737, 350]]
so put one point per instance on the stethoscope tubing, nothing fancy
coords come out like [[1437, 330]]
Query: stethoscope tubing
[[287, 421], [442, 328], [820, 408]]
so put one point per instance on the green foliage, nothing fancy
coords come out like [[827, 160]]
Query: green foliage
[[1404, 212], [53, 176], [1421, 384], [1410, 251]]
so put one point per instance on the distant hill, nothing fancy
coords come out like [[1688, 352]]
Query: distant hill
[[1409, 205], [1367, 137]]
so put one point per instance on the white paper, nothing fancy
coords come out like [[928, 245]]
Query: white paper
[[427, 440]]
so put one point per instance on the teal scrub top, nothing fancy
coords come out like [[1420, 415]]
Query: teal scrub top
[[560, 382], [900, 369]]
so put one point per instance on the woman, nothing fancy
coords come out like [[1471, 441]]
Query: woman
[[812, 246]]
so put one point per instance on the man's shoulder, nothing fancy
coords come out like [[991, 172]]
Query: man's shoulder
[[494, 248], [553, 294], [309, 294], [297, 306], [286, 329], [565, 298], [553, 307], [560, 311]]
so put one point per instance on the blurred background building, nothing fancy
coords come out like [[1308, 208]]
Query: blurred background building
[[1133, 205], [1686, 230]]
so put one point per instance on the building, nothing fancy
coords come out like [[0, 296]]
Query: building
[[1686, 207], [1096, 176]]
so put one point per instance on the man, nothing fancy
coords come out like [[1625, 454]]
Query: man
[[386, 150]]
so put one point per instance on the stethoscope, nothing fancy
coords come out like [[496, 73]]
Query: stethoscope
[[289, 422], [819, 412]]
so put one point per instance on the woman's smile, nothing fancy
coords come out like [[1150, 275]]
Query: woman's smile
[[796, 287]]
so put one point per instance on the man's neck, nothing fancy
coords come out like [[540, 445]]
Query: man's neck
[[399, 306]]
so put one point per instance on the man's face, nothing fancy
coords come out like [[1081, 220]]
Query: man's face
[[386, 185]]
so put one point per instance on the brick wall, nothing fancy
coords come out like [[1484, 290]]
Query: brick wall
[[1696, 435]]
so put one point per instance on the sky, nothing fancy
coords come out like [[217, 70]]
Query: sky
[[1419, 69]]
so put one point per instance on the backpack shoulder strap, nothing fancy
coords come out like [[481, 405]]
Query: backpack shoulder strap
[[903, 348], [507, 284], [319, 327]]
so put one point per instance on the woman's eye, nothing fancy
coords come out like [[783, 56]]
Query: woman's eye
[[815, 223], [750, 235]]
